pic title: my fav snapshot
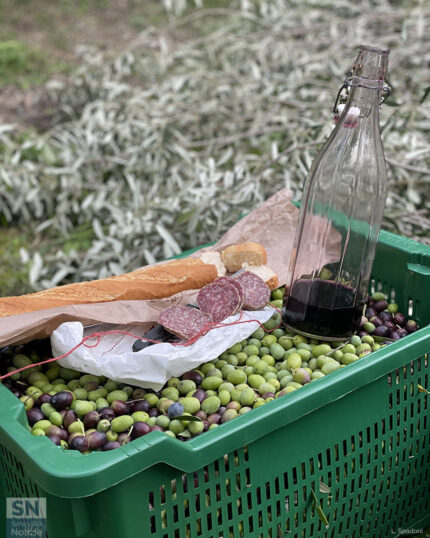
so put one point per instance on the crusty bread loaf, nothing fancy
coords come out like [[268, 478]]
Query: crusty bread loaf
[[264, 272], [214, 258], [153, 282], [235, 255]]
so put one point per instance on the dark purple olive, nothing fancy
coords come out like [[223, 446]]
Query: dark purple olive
[[402, 332], [91, 419], [395, 335], [362, 333], [120, 407], [379, 306], [64, 434], [370, 301], [72, 436], [157, 428], [200, 394], [370, 312], [20, 385], [16, 392], [382, 330], [222, 409], [206, 425], [411, 326], [194, 376], [140, 428], [201, 414], [34, 415], [124, 438], [399, 318], [69, 417], [61, 400], [268, 395], [142, 405], [107, 413], [96, 440], [215, 418], [111, 445], [376, 321], [385, 316], [63, 412], [53, 430], [391, 325], [43, 398], [54, 438], [80, 442], [153, 412]]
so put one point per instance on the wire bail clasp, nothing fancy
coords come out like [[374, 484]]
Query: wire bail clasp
[[348, 83]]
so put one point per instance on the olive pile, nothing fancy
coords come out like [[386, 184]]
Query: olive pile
[[85, 412], [384, 320]]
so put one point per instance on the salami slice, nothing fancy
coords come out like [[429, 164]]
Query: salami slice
[[228, 280], [257, 292], [219, 299], [183, 321]]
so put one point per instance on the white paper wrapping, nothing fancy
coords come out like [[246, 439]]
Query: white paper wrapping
[[153, 366]]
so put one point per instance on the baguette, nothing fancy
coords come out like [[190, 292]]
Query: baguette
[[235, 255], [153, 282], [214, 258]]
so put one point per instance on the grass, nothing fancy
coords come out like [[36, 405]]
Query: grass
[[38, 38], [25, 66]]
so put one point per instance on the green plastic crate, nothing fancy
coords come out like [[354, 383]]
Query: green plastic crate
[[364, 431]]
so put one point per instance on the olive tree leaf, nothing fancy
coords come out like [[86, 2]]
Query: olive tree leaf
[[188, 418], [36, 268], [319, 510], [425, 95], [413, 196]]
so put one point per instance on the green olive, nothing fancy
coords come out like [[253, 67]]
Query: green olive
[[122, 423]]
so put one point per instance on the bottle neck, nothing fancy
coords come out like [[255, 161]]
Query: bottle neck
[[365, 96], [368, 77]]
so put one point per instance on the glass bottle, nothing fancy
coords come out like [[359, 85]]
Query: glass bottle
[[341, 213]]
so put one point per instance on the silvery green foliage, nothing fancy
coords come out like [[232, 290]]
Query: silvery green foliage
[[163, 147]]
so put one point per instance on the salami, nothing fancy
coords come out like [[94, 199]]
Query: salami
[[257, 292], [183, 321], [220, 299], [228, 280]]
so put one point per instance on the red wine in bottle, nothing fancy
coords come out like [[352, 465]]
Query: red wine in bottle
[[323, 308]]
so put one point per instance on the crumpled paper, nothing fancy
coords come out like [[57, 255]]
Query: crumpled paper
[[153, 366]]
